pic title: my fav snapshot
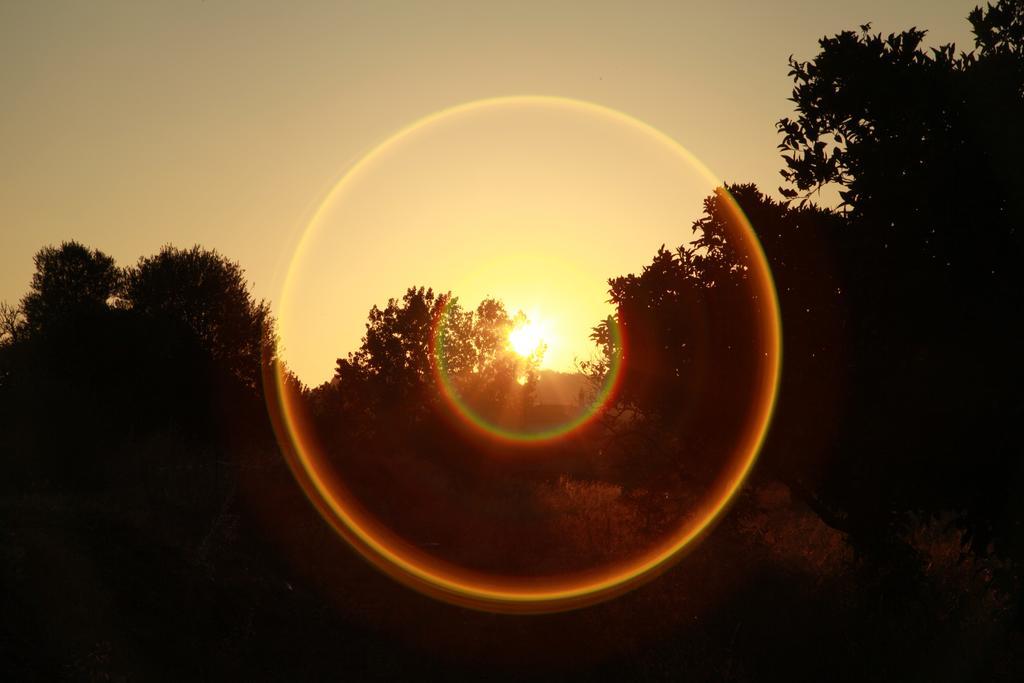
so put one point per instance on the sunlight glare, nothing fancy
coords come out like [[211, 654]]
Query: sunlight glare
[[526, 339]]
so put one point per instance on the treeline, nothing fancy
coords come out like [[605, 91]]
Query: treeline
[[95, 354]]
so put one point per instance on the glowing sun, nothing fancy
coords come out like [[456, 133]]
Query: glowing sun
[[527, 339]]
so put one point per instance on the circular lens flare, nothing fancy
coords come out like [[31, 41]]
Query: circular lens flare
[[411, 564]]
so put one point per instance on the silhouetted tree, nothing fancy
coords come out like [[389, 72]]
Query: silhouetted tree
[[803, 246], [389, 372], [685, 321], [12, 323], [393, 373], [926, 147], [70, 281], [205, 294]]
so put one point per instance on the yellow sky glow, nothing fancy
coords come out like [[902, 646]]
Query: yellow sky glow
[[535, 201], [131, 125]]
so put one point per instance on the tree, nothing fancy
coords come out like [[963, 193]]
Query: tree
[[391, 368], [803, 246], [394, 372], [206, 295], [686, 322], [70, 281], [999, 32], [926, 148], [12, 323], [908, 135]]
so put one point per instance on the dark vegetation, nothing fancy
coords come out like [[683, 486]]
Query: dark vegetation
[[151, 530]]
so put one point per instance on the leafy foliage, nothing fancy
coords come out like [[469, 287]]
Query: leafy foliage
[[70, 281], [393, 373], [206, 296], [927, 148]]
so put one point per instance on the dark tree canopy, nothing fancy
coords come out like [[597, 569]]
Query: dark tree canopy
[[892, 122], [70, 281], [12, 323], [999, 31], [686, 323], [389, 371], [173, 344], [927, 148], [206, 294]]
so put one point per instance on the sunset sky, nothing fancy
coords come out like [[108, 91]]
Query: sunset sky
[[127, 126]]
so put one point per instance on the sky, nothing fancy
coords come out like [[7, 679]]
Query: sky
[[128, 126]]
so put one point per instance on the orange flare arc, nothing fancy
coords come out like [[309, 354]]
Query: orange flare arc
[[458, 585]]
